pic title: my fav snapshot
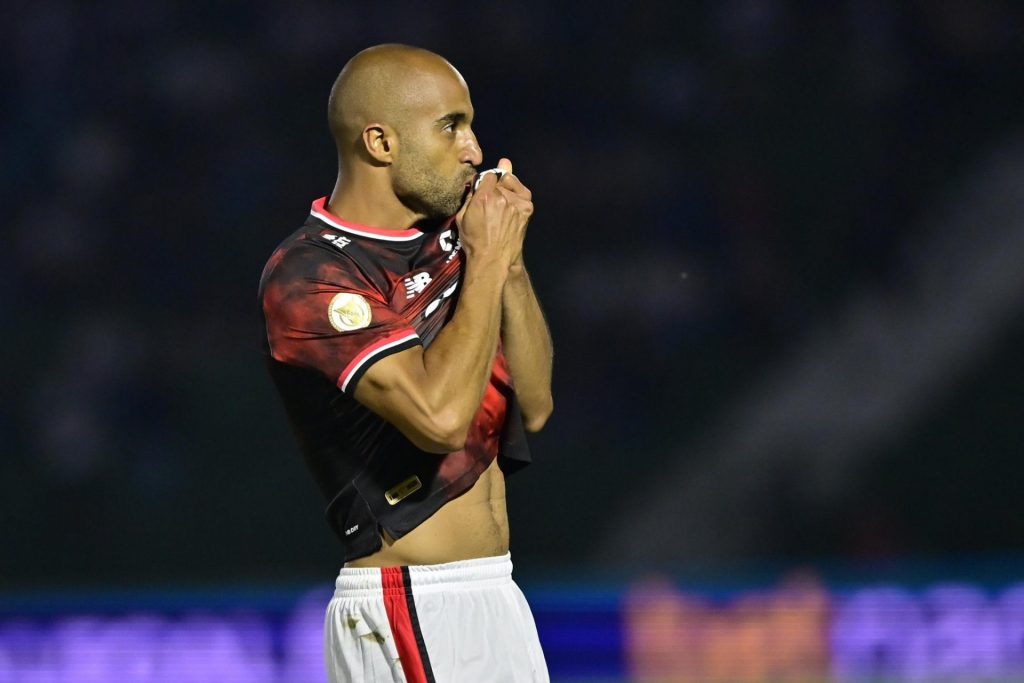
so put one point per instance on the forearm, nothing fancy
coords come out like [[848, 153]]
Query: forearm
[[528, 349], [431, 395], [458, 363]]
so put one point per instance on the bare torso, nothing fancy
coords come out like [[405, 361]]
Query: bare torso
[[473, 525]]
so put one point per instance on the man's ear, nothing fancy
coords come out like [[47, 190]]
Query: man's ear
[[381, 142]]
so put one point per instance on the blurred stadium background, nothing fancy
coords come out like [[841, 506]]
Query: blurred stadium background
[[781, 249]]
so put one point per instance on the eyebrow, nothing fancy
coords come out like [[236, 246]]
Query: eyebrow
[[453, 117]]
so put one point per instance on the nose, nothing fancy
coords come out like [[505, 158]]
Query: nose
[[471, 152]]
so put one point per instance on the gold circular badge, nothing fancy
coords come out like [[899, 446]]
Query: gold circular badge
[[348, 312]]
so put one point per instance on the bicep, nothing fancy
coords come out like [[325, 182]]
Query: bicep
[[396, 388], [325, 318]]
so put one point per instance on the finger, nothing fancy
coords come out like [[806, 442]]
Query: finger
[[487, 182], [496, 172], [515, 199], [513, 183], [505, 165]]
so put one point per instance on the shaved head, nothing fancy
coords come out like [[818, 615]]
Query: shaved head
[[384, 84], [401, 119]]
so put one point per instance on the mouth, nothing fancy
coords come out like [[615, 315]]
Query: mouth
[[467, 187]]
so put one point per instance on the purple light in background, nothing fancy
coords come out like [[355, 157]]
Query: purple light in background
[[208, 648], [139, 649], [1011, 609], [952, 632], [303, 640], [24, 648], [94, 650], [962, 635], [872, 633]]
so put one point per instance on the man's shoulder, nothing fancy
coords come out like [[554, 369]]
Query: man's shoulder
[[315, 253]]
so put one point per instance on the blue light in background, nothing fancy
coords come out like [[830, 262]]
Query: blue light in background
[[940, 631]]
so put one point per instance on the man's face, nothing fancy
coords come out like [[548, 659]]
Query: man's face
[[438, 152]]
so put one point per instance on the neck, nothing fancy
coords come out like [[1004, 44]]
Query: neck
[[367, 199]]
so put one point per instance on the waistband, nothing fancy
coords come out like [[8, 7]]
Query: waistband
[[361, 581]]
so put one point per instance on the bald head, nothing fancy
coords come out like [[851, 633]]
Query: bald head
[[402, 122], [385, 84]]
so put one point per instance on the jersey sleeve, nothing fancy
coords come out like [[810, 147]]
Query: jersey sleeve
[[323, 314]]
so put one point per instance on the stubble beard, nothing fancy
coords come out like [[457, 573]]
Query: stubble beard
[[426, 192]]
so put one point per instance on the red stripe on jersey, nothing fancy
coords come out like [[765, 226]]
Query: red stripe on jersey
[[319, 210], [401, 624], [372, 350]]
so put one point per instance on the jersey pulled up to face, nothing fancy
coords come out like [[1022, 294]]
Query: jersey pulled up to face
[[336, 298]]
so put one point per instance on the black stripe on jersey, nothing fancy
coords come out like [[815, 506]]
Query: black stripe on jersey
[[350, 389]]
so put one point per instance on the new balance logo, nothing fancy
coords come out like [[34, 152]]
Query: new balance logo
[[416, 284], [340, 241]]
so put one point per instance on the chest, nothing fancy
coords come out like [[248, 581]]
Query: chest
[[426, 294]]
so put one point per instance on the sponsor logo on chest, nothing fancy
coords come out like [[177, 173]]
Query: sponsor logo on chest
[[447, 244], [416, 283], [436, 303]]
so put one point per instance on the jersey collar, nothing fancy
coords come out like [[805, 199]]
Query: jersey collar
[[319, 210]]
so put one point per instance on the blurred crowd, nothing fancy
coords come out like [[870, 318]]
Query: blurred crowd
[[711, 180]]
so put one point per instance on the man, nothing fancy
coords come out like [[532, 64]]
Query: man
[[411, 354]]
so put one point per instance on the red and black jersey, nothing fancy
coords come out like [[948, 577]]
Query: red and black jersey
[[338, 297]]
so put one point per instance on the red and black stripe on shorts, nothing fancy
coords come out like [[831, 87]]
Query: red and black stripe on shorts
[[405, 624]]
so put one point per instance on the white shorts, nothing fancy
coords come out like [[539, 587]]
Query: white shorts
[[442, 623]]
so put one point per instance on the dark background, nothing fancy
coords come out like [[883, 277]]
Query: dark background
[[779, 246]]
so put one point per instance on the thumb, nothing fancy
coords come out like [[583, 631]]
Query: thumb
[[505, 165]]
